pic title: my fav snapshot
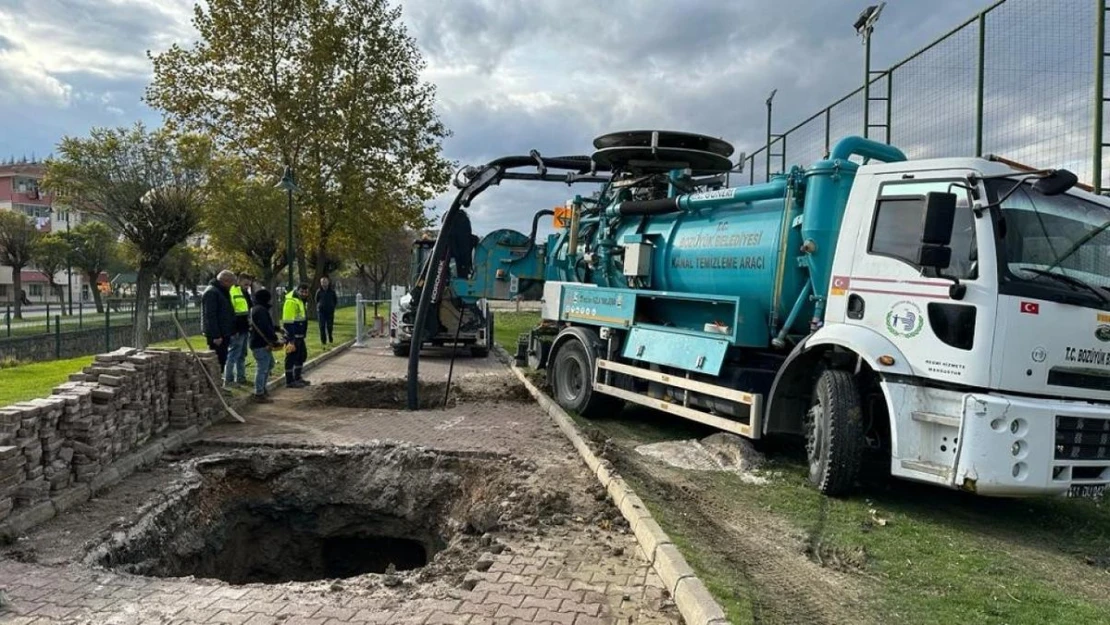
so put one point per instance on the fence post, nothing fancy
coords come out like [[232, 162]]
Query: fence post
[[48, 317], [360, 320], [1100, 103], [828, 131], [8, 319], [58, 336], [980, 84], [107, 328], [81, 316]]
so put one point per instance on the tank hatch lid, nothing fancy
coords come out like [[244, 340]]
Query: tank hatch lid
[[661, 150]]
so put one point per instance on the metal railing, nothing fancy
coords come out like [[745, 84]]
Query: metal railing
[[1022, 79], [376, 327]]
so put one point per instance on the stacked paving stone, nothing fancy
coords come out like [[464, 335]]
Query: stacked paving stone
[[114, 406], [192, 401]]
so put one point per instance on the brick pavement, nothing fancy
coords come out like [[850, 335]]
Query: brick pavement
[[572, 574]]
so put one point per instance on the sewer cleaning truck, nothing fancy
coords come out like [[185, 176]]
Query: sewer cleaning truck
[[949, 316]]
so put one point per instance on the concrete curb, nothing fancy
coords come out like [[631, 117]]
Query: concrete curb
[[692, 598], [20, 523]]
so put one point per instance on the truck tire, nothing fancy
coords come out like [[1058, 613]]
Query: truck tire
[[834, 433], [401, 349], [571, 382]]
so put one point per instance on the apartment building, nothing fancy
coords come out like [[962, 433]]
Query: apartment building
[[20, 192]]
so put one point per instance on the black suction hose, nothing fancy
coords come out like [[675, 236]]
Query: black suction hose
[[437, 266], [451, 366], [535, 228]]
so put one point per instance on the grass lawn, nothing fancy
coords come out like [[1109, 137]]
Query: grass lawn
[[38, 379], [508, 325]]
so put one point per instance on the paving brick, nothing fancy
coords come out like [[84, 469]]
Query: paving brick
[[341, 614], [525, 614], [231, 618], [480, 609], [261, 619], [590, 609], [443, 618], [560, 618], [582, 619], [546, 604], [500, 599], [527, 590]]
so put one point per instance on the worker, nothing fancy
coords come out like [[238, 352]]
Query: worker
[[326, 303], [294, 320], [235, 373], [263, 342], [218, 316]]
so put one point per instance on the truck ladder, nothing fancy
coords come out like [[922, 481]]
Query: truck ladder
[[752, 429]]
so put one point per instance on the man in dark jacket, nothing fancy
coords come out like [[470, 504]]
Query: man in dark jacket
[[218, 317], [263, 340], [326, 302]]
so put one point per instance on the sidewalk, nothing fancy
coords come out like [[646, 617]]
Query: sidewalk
[[583, 568]]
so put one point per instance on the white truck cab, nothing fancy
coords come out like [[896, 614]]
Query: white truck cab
[[995, 372]]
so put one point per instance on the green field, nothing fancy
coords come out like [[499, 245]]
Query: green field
[[27, 381]]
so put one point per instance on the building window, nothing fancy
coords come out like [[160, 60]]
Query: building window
[[34, 290], [4, 291]]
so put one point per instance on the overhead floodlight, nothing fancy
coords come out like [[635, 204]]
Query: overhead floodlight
[[865, 23], [287, 181], [772, 96]]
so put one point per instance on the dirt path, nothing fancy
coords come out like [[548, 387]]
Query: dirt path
[[787, 586]]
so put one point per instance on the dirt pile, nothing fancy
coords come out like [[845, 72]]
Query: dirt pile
[[718, 452]]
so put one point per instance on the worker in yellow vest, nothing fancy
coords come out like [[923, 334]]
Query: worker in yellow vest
[[235, 372], [294, 320]]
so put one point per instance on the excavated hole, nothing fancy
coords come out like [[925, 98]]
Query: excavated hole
[[392, 394], [272, 516]]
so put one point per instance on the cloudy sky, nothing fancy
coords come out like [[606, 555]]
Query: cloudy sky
[[512, 75]]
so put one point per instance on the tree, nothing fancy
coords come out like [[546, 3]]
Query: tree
[[246, 218], [147, 185], [181, 268], [93, 247], [51, 255], [329, 87], [18, 237], [386, 261]]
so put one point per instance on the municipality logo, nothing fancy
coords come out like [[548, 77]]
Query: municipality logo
[[905, 320]]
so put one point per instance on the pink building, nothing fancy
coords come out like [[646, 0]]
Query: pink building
[[20, 192]]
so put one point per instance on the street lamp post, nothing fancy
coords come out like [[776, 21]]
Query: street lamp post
[[289, 185], [865, 25]]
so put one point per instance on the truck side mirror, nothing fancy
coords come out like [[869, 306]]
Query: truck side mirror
[[940, 216]]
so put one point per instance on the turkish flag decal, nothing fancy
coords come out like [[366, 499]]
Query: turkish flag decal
[[1031, 308]]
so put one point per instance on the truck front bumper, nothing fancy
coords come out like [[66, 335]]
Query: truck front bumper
[[998, 444], [1017, 446]]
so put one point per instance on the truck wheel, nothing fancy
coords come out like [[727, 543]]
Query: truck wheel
[[401, 350], [834, 433], [571, 380]]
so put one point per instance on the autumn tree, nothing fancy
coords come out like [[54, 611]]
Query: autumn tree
[[181, 268], [331, 88], [246, 218], [18, 238], [51, 256], [94, 247], [385, 261], [146, 185]]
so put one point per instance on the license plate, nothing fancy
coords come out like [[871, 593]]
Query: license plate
[[1091, 491]]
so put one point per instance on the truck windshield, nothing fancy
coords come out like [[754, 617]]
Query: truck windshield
[[1061, 240]]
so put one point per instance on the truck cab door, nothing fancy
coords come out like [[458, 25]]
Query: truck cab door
[[942, 336]]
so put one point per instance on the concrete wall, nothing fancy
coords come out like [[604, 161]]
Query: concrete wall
[[41, 347]]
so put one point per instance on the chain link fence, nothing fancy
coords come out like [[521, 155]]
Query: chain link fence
[[1020, 80]]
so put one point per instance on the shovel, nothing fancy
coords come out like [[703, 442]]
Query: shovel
[[200, 365]]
